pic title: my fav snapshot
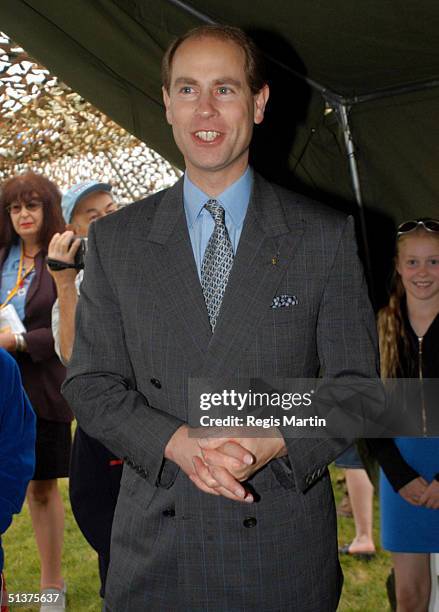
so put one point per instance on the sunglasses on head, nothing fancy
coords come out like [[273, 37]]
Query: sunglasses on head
[[430, 225]]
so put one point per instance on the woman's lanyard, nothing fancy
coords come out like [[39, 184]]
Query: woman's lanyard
[[20, 278]]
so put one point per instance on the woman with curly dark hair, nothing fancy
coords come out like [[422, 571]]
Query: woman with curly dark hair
[[30, 213]]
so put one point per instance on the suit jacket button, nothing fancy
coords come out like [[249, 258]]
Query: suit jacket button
[[169, 512], [249, 522], [157, 384]]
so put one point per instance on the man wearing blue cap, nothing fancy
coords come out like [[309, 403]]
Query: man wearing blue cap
[[94, 471], [81, 204]]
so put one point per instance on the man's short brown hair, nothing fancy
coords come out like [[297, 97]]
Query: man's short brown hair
[[254, 65]]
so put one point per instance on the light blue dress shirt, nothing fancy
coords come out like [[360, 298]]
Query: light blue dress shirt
[[9, 278], [200, 223]]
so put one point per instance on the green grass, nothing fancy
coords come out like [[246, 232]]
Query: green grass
[[80, 567], [364, 586]]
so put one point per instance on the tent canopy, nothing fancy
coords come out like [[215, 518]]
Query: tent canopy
[[46, 126], [374, 63]]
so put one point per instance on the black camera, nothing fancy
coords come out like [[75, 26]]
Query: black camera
[[55, 265], [80, 254]]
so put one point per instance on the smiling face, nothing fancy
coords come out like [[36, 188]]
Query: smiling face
[[418, 265], [212, 110], [97, 204]]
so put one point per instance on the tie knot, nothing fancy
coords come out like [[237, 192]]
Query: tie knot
[[216, 210]]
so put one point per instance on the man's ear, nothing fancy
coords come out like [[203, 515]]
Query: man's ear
[[260, 101], [70, 227], [167, 102]]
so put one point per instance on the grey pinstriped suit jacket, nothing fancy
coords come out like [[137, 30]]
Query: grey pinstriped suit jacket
[[142, 330]]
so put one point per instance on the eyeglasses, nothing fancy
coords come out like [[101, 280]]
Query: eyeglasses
[[430, 225], [14, 209]]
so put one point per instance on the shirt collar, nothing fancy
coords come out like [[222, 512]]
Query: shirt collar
[[14, 255], [234, 199]]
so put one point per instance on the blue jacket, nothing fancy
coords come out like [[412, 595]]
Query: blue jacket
[[17, 442]]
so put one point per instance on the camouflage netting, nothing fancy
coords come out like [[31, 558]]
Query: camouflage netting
[[48, 128]]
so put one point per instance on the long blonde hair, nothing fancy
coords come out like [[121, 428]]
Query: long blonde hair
[[391, 330]]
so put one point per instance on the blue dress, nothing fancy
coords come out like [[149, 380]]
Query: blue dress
[[404, 527]]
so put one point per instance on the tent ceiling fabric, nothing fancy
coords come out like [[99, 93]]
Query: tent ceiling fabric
[[41, 118], [46, 126], [109, 51], [351, 47]]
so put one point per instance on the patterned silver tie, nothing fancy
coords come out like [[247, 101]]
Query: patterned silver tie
[[217, 263]]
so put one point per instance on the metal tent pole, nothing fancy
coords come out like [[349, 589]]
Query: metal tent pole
[[192, 11], [342, 113]]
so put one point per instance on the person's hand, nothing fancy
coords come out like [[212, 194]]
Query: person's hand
[[430, 497], [228, 465], [236, 455], [414, 490], [63, 247], [185, 451], [7, 341]]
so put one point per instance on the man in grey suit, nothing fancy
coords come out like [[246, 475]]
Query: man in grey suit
[[185, 284]]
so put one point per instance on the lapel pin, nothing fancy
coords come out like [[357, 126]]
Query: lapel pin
[[274, 260]]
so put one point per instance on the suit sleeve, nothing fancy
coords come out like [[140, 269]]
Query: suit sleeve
[[346, 345], [398, 471], [100, 385]]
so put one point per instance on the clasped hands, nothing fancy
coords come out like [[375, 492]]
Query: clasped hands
[[219, 465], [419, 492]]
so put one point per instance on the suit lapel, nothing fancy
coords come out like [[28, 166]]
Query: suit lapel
[[167, 254], [266, 247]]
